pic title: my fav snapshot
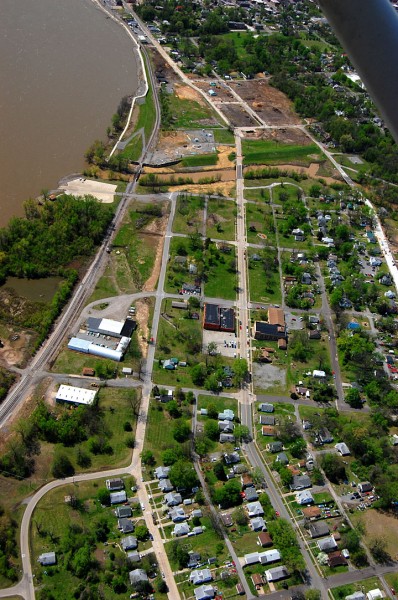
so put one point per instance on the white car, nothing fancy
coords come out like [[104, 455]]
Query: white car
[[142, 506]]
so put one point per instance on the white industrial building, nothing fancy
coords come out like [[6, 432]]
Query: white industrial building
[[109, 339], [69, 394]]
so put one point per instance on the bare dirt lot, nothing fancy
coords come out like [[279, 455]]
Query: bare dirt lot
[[237, 116], [220, 188], [283, 135], [222, 175], [268, 376], [268, 102], [380, 525], [185, 92], [220, 89]]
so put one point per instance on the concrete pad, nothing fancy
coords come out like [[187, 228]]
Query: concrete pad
[[227, 343], [104, 192]]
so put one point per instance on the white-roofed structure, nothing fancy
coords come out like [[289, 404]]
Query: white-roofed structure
[[69, 394], [88, 347]]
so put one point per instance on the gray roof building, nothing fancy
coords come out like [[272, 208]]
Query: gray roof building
[[251, 494], [300, 482], [118, 497], [200, 576], [318, 529], [162, 472], [165, 485], [125, 525], [327, 544], [122, 512], [276, 573], [137, 576], [173, 499], [180, 529], [47, 559], [204, 592], [258, 524], [129, 543], [226, 437], [255, 509]]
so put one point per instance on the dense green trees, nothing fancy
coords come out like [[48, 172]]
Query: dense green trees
[[229, 494], [183, 475]]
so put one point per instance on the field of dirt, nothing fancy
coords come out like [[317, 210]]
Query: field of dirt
[[237, 116], [222, 91], [284, 136], [185, 92], [220, 188], [268, 102]]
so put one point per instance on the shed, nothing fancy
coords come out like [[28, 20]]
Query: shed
[[264, 539], [47, 559]]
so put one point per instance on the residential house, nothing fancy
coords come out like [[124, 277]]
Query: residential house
[[317, 374], [327, 544], [226, 437], [311, 513], [356, 596], [306, 279], [226, 415], [342, 448], [251, 558], [118, 497], [133, 556], [137, 576], [314, 335], [304, 497], [264, 539], [254, 509], [375, 594], [336, 559], [365, 487], [225, 426], [125, 525], [265, 407], [240, 468], [177, 514], [122, 512], [251, 494], [258, 524], [166, 485], [324, 436], [114, 485], [200, 576], [173, 499], [300, 482], [162, 472], [180, 529], [197, 513], [232, 458], [257, 580], [226, 519], [274, 447], [319, 529], [267, 420], [194, 560], [268, 430], [269, 556], [276, 574], [196, 530], [204, 592], [246, 481], [129, 543], [47, 559], [282, 458]]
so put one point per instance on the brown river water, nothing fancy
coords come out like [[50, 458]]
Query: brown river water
[[64, 66]]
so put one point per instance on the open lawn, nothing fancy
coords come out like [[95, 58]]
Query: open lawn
[[220, 403], [264, 287], [257, 152], [223, 136], [105, 287], [159, 433], [178, 273], [221, 215], [147, 114], [178, 335], [257, 195], [221, 277], [133, 149], [260, 224], [379, 525], [189, 114], [200, 160], [188, 216]]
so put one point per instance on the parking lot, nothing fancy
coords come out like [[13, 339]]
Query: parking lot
[[226, 342]]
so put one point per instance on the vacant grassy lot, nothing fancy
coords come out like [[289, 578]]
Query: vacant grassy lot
[[221, 215], [259, 220], [159, 433], [200, 160], [379, 525], [339, 593], [257, 195], [264, 287], [105, 287], [221, 276], [177, 273], [178, 335], [189, 114], [133, 149], [259, 152], [188, 216], [223, 136]]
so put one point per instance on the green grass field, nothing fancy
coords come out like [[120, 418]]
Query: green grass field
[[256, 195], [189, 114], [200, 160], [188, 216], [133, 149], [259, 220], [177, 334], [263, 288], [268, 152], [223, 136], [221, 216], [221, 282], [159, 433]]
